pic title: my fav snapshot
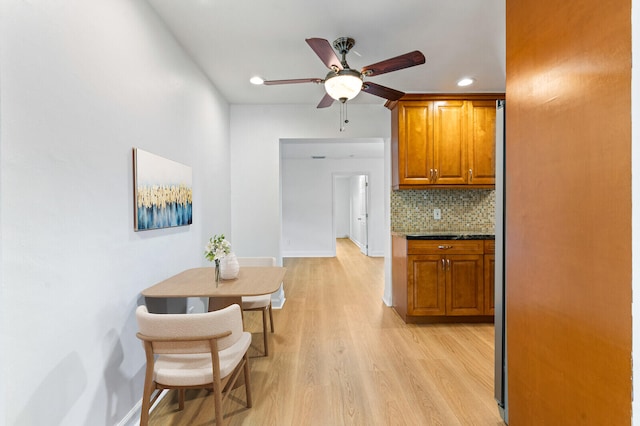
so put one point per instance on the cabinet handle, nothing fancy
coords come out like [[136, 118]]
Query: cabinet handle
[[435, 179], [470, 175], [448, 264], [444, 268], [431, 175], [445, 247]]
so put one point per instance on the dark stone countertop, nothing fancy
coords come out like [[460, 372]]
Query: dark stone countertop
[[446, 235]]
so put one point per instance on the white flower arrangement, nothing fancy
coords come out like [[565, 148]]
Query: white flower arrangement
[[217, 248]]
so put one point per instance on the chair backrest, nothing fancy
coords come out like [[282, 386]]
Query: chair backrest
[[257, 261], [190, 325]]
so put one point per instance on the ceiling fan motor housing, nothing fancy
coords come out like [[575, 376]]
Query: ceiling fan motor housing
[[343, 44]]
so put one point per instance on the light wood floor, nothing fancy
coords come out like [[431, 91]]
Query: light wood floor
[[339, 356]]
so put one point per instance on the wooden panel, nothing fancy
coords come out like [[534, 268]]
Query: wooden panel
[[415, 133], [445, 247], [426, 286], [568, 267], [395, 159], [450, 142], [482, 144], [465, 291], [489, 246]]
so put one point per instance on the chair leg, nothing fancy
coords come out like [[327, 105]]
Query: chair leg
[[271, 317], [181, 399], [247, 380], [146, 402], [149, 385], [264, 331], [217, 398], [146, 406]]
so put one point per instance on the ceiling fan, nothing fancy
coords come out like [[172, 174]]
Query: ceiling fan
[[342, 82]]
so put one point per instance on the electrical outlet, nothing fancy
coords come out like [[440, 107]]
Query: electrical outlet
[[437, 214]]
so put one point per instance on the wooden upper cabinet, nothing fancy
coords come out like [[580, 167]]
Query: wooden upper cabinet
[[482, 142], [450, 143], [443, 140], [415, 137]]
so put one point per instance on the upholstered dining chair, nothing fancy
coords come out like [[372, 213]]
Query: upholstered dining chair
[[191, 351], [259, 303]]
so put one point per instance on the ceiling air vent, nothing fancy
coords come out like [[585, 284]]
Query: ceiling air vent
[[318, 157]]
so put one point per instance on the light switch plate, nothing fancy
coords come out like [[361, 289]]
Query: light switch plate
[[437, 214]]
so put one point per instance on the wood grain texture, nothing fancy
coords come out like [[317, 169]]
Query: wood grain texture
[[568, 157], [341, 357], [200, 282], [450, 142], [482, 142]]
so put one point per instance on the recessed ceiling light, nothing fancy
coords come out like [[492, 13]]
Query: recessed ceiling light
[[465, 82], [256, 80]]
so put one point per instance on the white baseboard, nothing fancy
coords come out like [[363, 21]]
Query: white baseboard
[[308, 254], [133, 416], [387, 301], [323, 253]]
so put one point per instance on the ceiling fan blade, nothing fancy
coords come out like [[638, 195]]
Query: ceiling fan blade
[[294, 81], [326, 101], [394, 64], [382, 91], [326, 53]]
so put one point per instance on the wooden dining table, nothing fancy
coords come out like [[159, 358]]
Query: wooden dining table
[[200, 282]]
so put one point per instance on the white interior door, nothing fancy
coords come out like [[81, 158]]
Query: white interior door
[[361, 212]]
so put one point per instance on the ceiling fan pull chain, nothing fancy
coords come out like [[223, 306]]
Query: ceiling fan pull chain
[[344, 120]]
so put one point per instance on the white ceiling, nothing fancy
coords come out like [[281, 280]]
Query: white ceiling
[[233, 40]]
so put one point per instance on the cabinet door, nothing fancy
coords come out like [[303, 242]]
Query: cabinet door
[[489, 284], [415, 143], [450, 142], [482, 144], [465, 285], [426, 285]]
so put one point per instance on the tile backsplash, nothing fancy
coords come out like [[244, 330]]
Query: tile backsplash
[[461, 209]]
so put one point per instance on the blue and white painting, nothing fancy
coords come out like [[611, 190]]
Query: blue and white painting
[[162, 191]]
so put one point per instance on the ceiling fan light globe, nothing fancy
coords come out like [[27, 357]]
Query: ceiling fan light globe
[[343, 85]]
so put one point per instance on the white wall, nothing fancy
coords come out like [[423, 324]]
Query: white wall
[[342, 211], [82, 83], [308, 210]]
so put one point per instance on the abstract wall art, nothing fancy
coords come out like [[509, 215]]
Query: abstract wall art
[[162, 192]]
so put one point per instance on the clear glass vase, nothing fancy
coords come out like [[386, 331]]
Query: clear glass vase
[[217, 262]]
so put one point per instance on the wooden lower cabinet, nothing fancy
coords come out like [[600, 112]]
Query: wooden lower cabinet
[[426, 285], [442, 278], [489, 276], [446, 285]]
